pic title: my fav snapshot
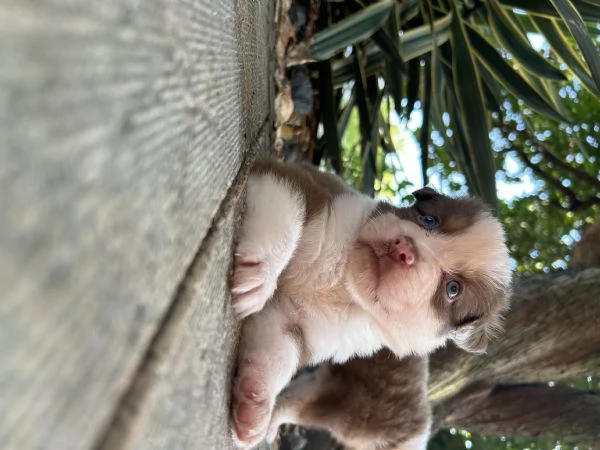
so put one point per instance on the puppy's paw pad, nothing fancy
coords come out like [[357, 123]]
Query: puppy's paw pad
[[251, 412]]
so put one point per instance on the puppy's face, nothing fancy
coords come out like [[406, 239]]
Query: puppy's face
[[436, 270]]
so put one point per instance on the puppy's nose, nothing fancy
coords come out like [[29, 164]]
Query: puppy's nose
[[403, 250]]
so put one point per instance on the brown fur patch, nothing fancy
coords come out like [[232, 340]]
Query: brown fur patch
[[381, 399], [318, 188], [456, 214]]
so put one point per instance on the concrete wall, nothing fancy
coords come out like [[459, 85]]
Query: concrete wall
[[124, 128]]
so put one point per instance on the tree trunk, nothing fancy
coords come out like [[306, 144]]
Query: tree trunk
[[524, 410]]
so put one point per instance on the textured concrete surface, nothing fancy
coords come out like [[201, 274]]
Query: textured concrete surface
[[124, 125]]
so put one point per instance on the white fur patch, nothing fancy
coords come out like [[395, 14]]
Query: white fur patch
[[340, 335], [332, 326]]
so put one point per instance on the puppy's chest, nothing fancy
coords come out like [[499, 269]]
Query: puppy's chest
[[339, 335], [318, 263], [320, 259]]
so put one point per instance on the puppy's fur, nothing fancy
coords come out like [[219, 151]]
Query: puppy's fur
[[323, 272], [376, 403]]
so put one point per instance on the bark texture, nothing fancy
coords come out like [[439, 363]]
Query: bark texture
[[524, 410]]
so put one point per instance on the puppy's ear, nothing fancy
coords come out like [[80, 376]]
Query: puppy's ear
[[470, 339], [425, 193]]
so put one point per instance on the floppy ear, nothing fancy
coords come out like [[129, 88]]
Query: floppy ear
[[471, 340], [425, 193]]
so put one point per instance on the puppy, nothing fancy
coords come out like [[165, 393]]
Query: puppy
[[376, 403], [323, 272]]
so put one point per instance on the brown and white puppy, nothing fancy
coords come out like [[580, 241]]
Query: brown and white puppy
[[376, 403], [323, 272]]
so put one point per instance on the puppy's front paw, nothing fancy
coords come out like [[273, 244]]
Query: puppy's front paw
[[251, 412], [252, 285]]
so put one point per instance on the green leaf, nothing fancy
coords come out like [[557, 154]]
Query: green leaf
[[461, 146], [420, 40], [425, 129], [328, 116], [518, 45], [551, 89], [343, 68], [389, 49], [578, 29], [508, 77], [345, 114], [414, 43], [386, 137], [473, 113], [493, 96], [393, 76], [376, 112], [541, 88], [412, 89], [437, 78], [350, 30], [366, 124], [589, 11], [438, 107], [408, 10], [564, 50], [361, 92]]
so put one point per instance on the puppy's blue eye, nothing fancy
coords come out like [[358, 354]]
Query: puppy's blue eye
[[453, 289], [429, 222]]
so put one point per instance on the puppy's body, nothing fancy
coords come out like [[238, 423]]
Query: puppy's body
[[376, 403], [323, 272]]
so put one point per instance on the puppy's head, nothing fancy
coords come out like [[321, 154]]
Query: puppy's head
[[436, 270]]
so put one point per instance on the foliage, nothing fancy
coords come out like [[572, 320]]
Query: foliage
[[559, 163], [563, 161], [457, 59]]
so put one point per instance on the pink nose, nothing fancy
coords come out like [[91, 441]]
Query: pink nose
[[403, 250]]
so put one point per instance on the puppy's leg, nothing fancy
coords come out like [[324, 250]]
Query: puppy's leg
[[270, 233], [268, 358], [296, 403], [366, 404], [316, 399]]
